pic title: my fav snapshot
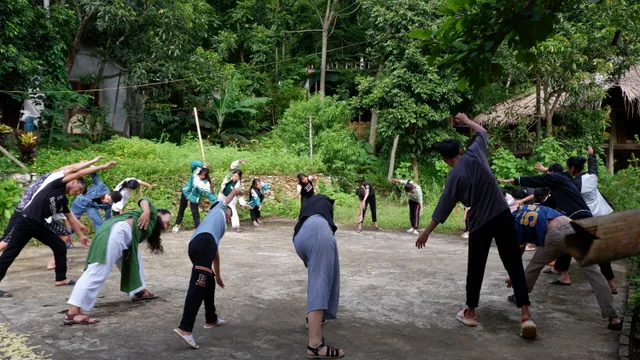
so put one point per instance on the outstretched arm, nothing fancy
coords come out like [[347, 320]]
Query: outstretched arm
[[80, 229], [216, 270], [463, 119], [76, 175], [592, 162], [143, 221], [70, 169], [232, 194]]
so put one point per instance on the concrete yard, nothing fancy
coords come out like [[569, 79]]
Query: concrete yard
[[397, 302]]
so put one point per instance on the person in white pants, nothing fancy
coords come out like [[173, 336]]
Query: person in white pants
[[230, 182]]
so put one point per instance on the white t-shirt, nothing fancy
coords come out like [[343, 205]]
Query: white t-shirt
[[125, 192]]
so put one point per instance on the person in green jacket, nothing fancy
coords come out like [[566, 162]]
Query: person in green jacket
[[116, 243], [199, 184]]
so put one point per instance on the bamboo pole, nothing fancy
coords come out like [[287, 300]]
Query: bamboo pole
[[310, 139], [12, 158], [195, 113], [605, 238]]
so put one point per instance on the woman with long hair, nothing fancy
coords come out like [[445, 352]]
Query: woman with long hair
[[126, 187], [116, 243], [233, 180], [199, 184], [256, 199]]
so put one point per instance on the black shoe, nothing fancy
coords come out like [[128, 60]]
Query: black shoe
[[511, 298]]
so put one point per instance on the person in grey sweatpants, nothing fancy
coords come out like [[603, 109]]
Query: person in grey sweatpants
[[316, 246]]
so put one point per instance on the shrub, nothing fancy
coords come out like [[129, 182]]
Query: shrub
[[10, 192]]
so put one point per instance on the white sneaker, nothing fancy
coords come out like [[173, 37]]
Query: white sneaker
[[220, 322], [410, 231], [465, 235], [415, 232], [175, 229]]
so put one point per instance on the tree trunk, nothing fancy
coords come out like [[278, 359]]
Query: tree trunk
[[392, 161], [372, 129], [12, 158], [75, 44], [323, 66], [538, 112], [414, 162]]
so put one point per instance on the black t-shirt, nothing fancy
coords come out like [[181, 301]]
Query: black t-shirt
[[365, 185], [49, 200], [307, 189]]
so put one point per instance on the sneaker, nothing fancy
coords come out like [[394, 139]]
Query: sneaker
[[415, 232], [218, 323], [465, 235], [410, 231], [175, 229]]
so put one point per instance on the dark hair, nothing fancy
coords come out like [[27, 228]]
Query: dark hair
[[408, 187], [556, 168], [254, 183], [301, 176], [131, 184], [205, 171], [504, 192], [239, 172], [540, 193], [576, 162], [154, 242], [519, 194], [360, 192], [83, 182], [115, 196], [449, 148]]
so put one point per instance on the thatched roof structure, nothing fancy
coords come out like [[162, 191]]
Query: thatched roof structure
[[523, 107]]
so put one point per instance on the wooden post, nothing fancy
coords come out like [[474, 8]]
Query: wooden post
[[310, 139], [613, 139], [393, 157], [277, 62], [605, 238], [195, 113], [12, 158]]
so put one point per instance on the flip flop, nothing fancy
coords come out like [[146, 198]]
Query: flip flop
[[614, 292], [188, 339], [528, 330], [70, 283], [5, 294], [466, 322], [149, 296], [549, 270], [616, 327], [558, 282]]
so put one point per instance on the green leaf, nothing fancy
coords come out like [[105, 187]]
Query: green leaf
[[420, 34], [462, 84]]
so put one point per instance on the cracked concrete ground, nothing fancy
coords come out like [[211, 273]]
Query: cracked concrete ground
[[396, 302]]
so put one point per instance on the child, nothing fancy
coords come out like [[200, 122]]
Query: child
[[199, 183], [256, 198], [367, 196], [414, 193], [126, 188], [305, 188]]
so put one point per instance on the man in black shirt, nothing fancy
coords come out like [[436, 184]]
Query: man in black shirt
[[36, 217]]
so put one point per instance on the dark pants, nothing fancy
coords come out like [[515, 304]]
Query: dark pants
[[564, 261], [195, 212], [371, 201], [414, 213], [12, 222], [202, 251], [255, 213], [501, 228], [23, 230]]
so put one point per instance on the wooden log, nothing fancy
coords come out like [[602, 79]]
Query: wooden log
[[605, 238]]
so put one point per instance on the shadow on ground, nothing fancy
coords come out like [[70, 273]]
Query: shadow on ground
[[396, 302]]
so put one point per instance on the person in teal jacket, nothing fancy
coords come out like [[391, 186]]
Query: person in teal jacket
[[256, 199], [199, 184]]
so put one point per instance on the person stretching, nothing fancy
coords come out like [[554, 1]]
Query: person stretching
[[199, 183], [414, 193], [305, 188], [116, 243], [315, 244], [233, 180], [35, 219], [126, 187], [547, 229], [203, 251], [256, 199], [367, 195], [97, 197], [472, 183]]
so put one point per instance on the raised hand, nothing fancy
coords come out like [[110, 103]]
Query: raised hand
[[143, 221], [461, 118], [540, 167], [84, 241], [589, 150]]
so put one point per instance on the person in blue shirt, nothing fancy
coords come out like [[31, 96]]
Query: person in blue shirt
[[256, 199], [98, 197], [547, 228], [203, 251]]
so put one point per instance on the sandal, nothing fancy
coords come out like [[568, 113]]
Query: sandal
[[146, 295], [70, 319], [69, 283], [614, 292], [528, 330], [5, 294], [189, 339], [332, 353], [467, 322], [551, 270], [616, 327], [558, 282]]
